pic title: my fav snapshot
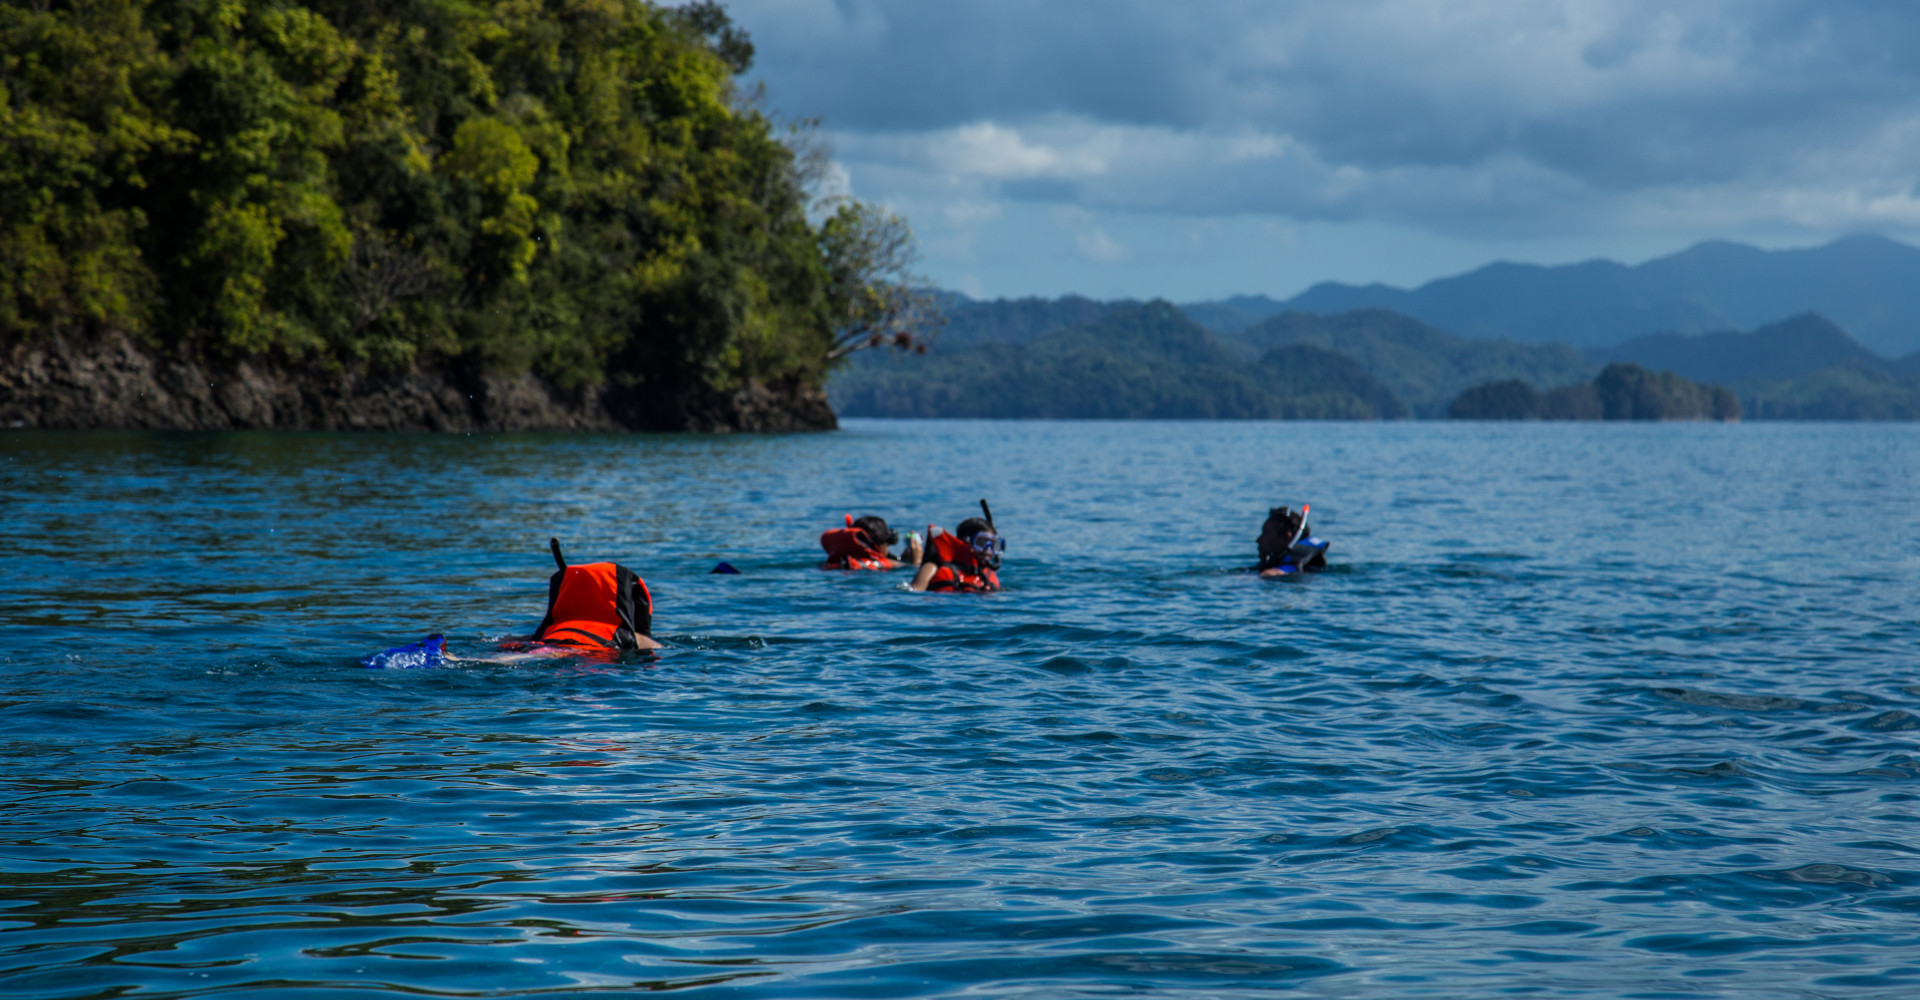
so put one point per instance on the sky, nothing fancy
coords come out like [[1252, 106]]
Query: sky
[[1204, 148]]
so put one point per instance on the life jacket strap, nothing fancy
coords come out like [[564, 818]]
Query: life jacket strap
[[554, 637]]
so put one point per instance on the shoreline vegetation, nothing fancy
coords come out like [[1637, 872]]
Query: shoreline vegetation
[[426, 214]]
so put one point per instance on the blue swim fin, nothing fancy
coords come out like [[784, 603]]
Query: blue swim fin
[[428, 652]]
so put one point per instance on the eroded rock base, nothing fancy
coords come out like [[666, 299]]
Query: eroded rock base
[[72, 382]]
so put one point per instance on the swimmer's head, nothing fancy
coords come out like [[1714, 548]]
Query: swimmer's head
[[876, 530], [1278, 532], [987, 544]]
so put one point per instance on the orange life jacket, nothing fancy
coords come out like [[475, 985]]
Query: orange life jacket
[[960, 568], [850, 548], [596, 606]]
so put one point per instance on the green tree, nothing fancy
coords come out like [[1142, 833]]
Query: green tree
[[1509, 399], [869, 253], [572, 187]]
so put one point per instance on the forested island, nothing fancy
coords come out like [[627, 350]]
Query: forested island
[[422, 214], [1622, 391]]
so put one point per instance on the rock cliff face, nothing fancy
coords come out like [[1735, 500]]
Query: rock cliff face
[[68, 381]]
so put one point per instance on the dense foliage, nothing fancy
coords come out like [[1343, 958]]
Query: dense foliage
[[1513, 399], [569, 186], [1368, 364], [1423, 366], [1619, 392], [1851, 390], [1015, 321], [1136, 360], [1801, 368]]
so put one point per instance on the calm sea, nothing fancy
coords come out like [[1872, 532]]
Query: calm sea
[[1580, 710]]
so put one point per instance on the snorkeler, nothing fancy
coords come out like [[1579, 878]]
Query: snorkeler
[[967, 561], [596, 608], [1286, 544], [864, 544]]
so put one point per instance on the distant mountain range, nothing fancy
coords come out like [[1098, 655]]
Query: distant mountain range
[[1423, 367], [1145, 360], [1869, 285], [1030, 358], [1784, 350], [1760, 322]]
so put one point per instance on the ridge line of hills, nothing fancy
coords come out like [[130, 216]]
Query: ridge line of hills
[[1778, 327], [1253, 357], [1867, 284]]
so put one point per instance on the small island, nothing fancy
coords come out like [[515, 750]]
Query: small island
[[1622, 391]]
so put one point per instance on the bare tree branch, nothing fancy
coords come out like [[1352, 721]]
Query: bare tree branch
[[380, 273], [869, 255]]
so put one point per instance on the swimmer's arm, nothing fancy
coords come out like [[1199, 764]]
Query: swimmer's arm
[[924, 576]]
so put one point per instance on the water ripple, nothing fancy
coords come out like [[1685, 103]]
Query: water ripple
[[1563, 720]]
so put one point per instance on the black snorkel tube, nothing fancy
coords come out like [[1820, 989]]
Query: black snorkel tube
[[993, 556]]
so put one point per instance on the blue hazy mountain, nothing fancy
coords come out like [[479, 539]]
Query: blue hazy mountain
[[1012, 321], [1805, 367], [1132, 360], [1870, 285], [1074, 356], [1231, 315], [1788, 349], [1037, 358], [1424, 367]]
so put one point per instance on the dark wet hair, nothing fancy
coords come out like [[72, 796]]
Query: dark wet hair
[[877, 531], [1281, 525], [971, 527]]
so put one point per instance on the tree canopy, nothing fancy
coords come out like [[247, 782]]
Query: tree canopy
[[1144, 360], [573, 187], [1622, 391]]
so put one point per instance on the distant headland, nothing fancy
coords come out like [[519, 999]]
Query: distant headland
[[1750, 327]]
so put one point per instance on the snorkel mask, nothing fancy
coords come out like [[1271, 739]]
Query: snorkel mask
[[987, 547], [986, 541]]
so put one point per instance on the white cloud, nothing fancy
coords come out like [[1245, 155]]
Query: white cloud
[[1095, 244], [835, 182], [970, 213]]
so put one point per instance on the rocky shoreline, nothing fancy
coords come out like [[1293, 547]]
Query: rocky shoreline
[[65, 381]]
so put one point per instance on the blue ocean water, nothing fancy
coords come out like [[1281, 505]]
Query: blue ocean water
[[1579, 711]]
